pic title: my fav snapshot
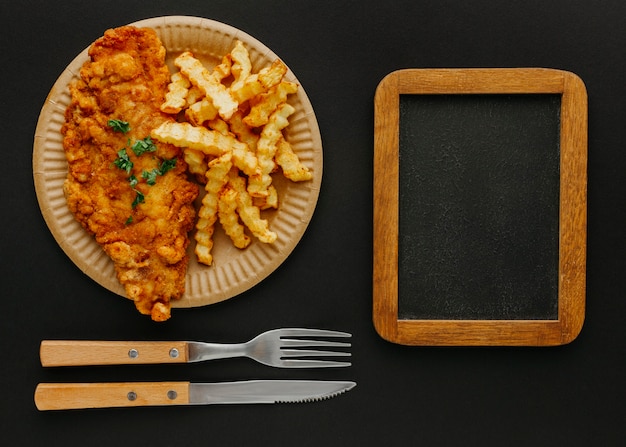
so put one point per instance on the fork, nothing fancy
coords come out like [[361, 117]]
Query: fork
[[282, 348]]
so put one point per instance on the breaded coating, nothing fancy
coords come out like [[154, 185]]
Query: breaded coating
[[139, 214]]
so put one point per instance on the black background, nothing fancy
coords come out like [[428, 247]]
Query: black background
[[339, 50]]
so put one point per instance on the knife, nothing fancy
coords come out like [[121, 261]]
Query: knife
[[67, 396]]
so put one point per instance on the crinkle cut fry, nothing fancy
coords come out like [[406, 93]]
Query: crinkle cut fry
[[186, 135], [219, 125], [242, 66], [269, 201], [289, 162], [217, 176], [196, 163], [223, 70], [210, 85], [227, 213], [176, 96], [194, 95], [200, 112], [199, 107], [250, 214], [266, 148], [209, 141], [266, 103], [260, 82], [244, 133]]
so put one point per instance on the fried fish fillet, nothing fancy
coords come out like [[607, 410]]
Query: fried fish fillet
[[139, 214]]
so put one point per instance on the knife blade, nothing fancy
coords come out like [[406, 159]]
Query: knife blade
[[71, 396]]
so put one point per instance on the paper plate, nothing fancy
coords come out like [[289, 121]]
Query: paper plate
[[233, 271]]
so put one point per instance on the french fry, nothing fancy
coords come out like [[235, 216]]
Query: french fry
[[217, 176], [219, 125], [196, 163], [266, 148], [289, 162], [209, 141], [186, 135], [260, 82], [227, 213], [266, 103], [250, 214], [245, 159], [268, 202], [176, 96], [200, 112], [248, 89], [223, 70], [241, 65], [244, 133], [207, 111], [194, 94], [272, 75], [210, 85]]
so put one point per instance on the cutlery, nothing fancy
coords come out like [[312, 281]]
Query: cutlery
[[283, 348], [67, 396]]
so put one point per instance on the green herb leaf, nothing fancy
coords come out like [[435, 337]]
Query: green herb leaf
[[167, 165], [129, 220], [133, 181], [123, 162], [119, 126], [142, 146], [139, 198], [150, 176]]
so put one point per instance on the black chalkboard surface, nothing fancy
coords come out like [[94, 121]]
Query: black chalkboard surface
[[480, 207], [479, 193]]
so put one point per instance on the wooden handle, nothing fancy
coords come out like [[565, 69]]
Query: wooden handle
[[83, 353], [71, 396]]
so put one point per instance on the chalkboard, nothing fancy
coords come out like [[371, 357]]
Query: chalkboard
[[480, 207], [479, 192]]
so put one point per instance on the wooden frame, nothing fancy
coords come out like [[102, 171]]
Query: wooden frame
[[572, 208]]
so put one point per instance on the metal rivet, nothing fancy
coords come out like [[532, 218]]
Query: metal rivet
[[173, 353], [133, 354], [131, 395], [171, 394]]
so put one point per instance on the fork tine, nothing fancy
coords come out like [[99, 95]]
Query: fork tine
[[294, 358], [294, 343], [297, 363], [312, 353], [304, 332]]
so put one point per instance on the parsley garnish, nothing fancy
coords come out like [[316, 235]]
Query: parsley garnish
[[142, 146], [139, 198], [150, 176], [166, 165], [119, 126], [122, 161]]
